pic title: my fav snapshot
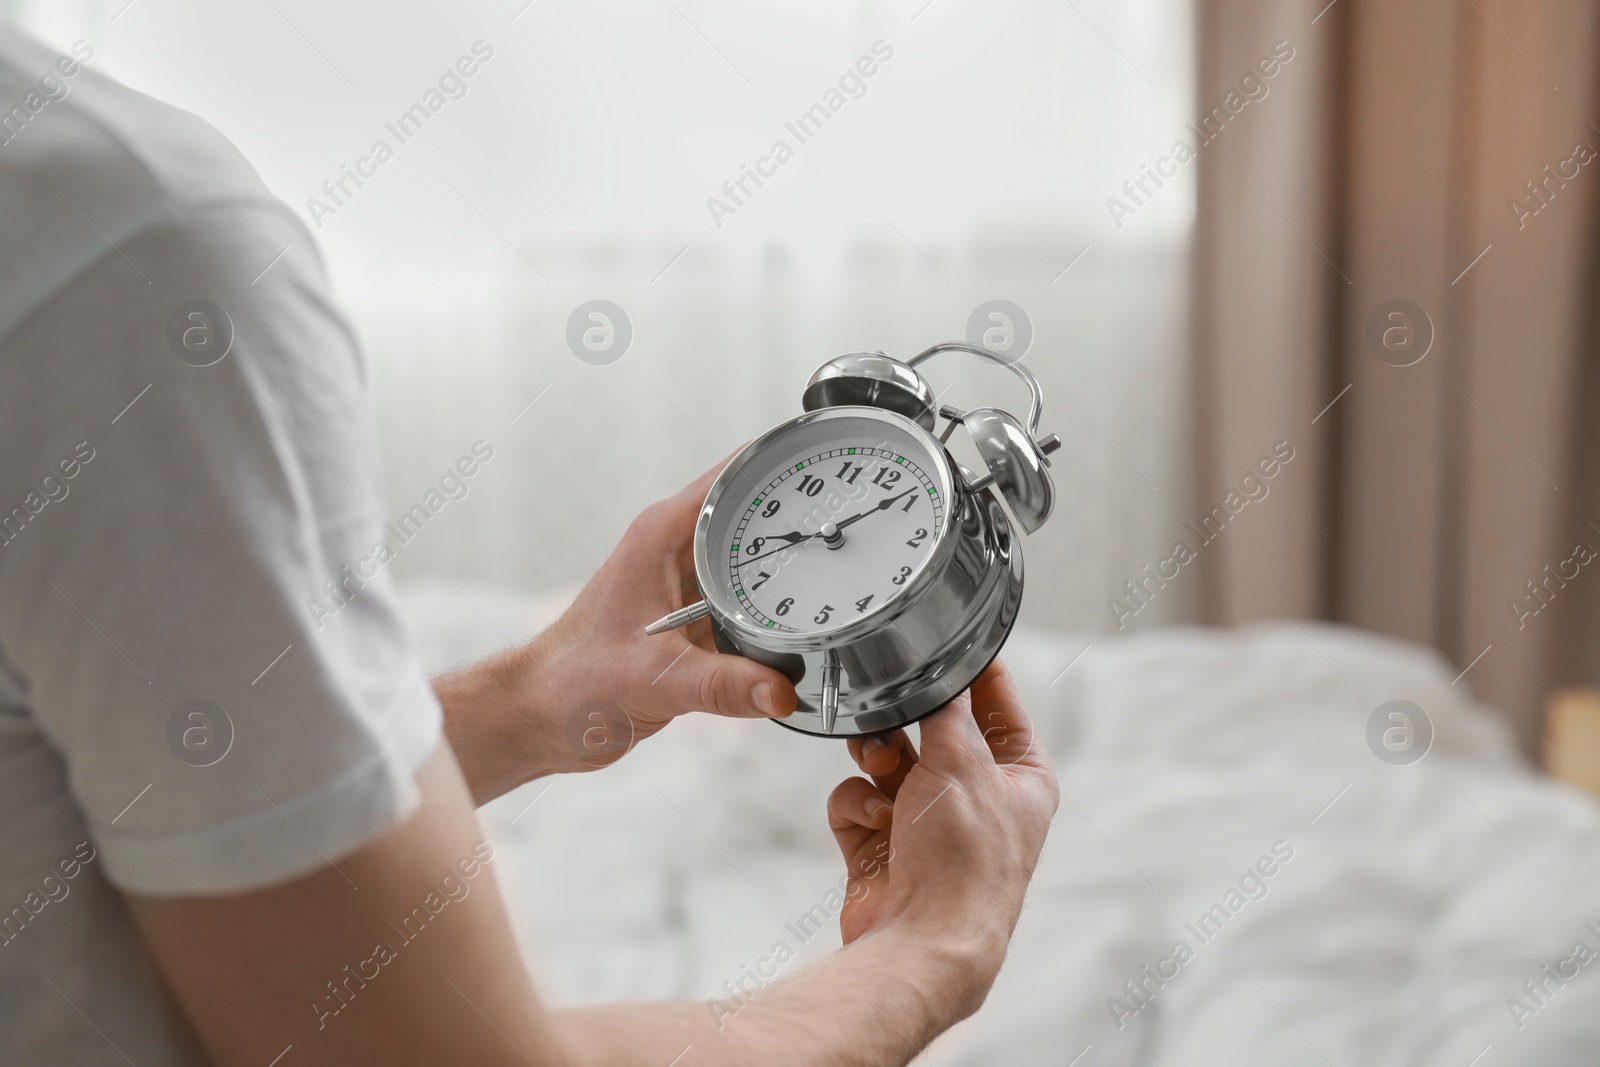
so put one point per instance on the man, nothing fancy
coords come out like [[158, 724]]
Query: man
[[216, 804]]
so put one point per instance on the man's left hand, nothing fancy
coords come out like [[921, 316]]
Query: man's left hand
[[585, 691]]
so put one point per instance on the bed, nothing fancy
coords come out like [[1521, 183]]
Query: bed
[[1443, 912]]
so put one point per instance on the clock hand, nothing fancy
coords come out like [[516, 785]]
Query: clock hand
[[882, 505], [795, 538], [792, 539]]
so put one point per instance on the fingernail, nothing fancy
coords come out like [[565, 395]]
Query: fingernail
[[763, 699], [875, 806], [871, 745]]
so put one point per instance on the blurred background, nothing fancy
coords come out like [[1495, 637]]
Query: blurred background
[[974, 166], [1409, 152], [1356, 233]]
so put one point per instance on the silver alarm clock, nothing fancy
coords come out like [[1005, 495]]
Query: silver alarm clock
[[849, 550]]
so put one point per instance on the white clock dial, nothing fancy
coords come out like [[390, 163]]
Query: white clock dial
[[833, 532]]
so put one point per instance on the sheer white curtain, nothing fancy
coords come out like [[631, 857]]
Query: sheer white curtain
[[974, 163]]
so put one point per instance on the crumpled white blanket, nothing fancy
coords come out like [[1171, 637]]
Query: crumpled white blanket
[[1410, 923]]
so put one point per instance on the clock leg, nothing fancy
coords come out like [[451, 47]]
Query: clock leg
[[830, 690], [682, 617]]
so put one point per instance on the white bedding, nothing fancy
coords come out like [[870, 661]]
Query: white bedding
[[1412, 909]]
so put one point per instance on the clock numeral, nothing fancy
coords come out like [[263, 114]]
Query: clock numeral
[[849, 475], [900, 579], [810, 485], [763, 581], [770, 510], [784, 605], [823, 615], [861, 605], [886, 477], [917, 538], [912, 499], [754, 547]]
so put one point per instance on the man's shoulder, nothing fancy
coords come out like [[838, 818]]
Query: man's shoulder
[[87, 163]]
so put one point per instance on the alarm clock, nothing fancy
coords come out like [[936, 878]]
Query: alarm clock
[[849, 550]]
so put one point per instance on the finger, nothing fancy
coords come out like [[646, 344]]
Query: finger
[[950, 736], [998, 710], [669, 522], [681, 510], [854, 828], [857, 802], [877, 754], [723, 685], [691, 496], [887, 757], [695, 492]]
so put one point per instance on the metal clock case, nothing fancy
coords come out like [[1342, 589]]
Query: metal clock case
[[937, 605]]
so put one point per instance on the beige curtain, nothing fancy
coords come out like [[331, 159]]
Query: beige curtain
[[1423, 151]]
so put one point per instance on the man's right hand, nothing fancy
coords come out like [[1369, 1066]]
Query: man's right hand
[[943, 845]]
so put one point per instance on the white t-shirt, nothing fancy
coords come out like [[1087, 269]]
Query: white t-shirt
[[176, 716]]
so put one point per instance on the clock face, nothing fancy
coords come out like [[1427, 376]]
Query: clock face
[[827, 525]]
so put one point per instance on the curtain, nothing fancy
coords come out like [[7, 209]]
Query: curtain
[[1393, 268]]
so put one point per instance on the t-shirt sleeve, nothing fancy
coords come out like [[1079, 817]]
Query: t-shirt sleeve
[[194, 587]]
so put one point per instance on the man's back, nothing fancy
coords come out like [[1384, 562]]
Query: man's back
[[171, 488], [86, 164]]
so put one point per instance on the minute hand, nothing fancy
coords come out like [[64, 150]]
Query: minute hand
[[882, 505]]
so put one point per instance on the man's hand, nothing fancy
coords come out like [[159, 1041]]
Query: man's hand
[[940, 851], [582, 693], [944, 845]]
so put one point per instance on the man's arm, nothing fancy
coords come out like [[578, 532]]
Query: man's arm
[[352, 964], [874, 1003], [940, 850], [580, 695], [398, 955]]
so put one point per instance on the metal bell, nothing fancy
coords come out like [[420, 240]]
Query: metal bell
[[1016, 464], [875, 380]]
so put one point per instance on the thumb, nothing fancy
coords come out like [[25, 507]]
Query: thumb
[[723, 684], [950, 736]]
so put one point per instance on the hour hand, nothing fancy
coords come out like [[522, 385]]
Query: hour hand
[[789, 539]]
